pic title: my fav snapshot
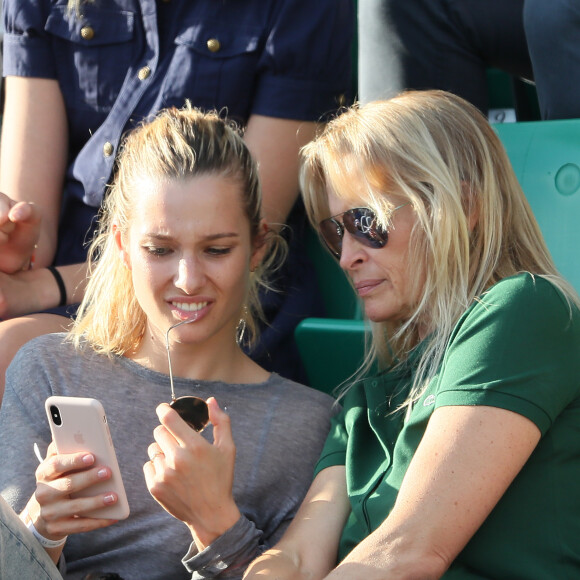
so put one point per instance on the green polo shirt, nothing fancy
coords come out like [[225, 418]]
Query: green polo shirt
[[516, 348]]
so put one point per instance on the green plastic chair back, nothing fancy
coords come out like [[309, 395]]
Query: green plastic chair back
[[332, 350], [339, 297], [546, 159]]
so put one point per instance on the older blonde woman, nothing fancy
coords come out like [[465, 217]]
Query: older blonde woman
[[461, 458]]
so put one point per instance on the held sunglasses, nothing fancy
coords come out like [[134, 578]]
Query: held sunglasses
[[193, 410], [359, 222]]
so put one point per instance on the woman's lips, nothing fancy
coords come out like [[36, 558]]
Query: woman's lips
[[366, 286], [194, 309]]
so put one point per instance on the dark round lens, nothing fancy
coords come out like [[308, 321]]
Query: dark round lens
[[193, 411], [362, 224], [331, 232]]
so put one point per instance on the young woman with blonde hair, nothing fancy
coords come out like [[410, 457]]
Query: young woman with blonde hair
[[80, 74], [460, 459], [181, 240]]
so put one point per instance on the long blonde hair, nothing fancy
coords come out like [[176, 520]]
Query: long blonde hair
[[177, 144], [439, 153]]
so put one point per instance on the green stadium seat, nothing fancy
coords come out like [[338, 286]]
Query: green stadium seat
[[339, 296], [546, 159]]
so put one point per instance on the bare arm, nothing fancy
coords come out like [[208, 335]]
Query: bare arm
[[275, 144], [308, 549], [33, 152], [33, 157], [19, 232], [36, 290], [466, 460]]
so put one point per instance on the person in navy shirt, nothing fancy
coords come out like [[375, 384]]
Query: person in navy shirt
[[79, 75]]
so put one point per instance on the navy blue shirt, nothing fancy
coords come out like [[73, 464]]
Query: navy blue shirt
[[122, 60]]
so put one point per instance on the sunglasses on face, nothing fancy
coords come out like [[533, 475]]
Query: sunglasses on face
[[193, 410], [359, 222]]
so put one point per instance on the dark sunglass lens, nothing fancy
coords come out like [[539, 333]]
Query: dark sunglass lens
[[362, 224], [331, 232], [193, 411]]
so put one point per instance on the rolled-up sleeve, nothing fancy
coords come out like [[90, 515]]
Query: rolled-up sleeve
[[305, 69], [26, 47], [335, 447]]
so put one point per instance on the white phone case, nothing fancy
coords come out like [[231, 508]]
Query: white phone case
[[83, 427]]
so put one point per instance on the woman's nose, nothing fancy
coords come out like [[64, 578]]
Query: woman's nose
[[353, 252], [189, 274]]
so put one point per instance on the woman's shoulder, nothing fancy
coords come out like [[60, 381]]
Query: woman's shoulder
[[44, 356], [524, 305], [52, 344], [526, 290], [55, 351]]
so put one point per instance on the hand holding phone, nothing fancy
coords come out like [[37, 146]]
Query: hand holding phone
[[80, 424]]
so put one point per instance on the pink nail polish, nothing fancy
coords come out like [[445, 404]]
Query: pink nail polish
[[102, 473], [88, 459], [110, 498]]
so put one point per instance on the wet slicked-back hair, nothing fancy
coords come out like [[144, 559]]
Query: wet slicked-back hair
[[178, 144]]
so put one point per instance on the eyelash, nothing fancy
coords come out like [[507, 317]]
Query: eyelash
[[218, 251], [161, 252], [155, 251]]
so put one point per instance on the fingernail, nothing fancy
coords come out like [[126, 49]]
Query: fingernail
[[18, 213], [110, 498], [102, 473], [88, 459]]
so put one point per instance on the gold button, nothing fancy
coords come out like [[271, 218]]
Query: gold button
[[213, 45], [144, 73], [108, 149], [87, 32]]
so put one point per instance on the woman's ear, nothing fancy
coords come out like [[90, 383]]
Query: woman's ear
[[260, 246], [120, 243]]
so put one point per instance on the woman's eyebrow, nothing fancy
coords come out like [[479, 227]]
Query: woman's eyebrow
[[210, 237], [222, 235]]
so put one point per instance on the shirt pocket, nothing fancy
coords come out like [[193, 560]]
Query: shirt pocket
[[93, 54], [215, 66]]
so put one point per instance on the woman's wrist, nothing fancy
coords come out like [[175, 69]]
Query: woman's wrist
[[46, 292], [204, 535], [62, 299], [45, 542]]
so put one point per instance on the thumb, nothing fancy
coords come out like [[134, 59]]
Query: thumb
[[222, 429], [26, 213]]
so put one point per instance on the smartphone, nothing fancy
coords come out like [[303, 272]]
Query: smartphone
[[80, 424]]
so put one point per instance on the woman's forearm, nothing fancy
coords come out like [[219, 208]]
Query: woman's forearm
[[38, 289], [277, 564], [308, 550], [34, 152]]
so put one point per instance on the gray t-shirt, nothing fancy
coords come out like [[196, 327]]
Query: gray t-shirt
[[279, 428]]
